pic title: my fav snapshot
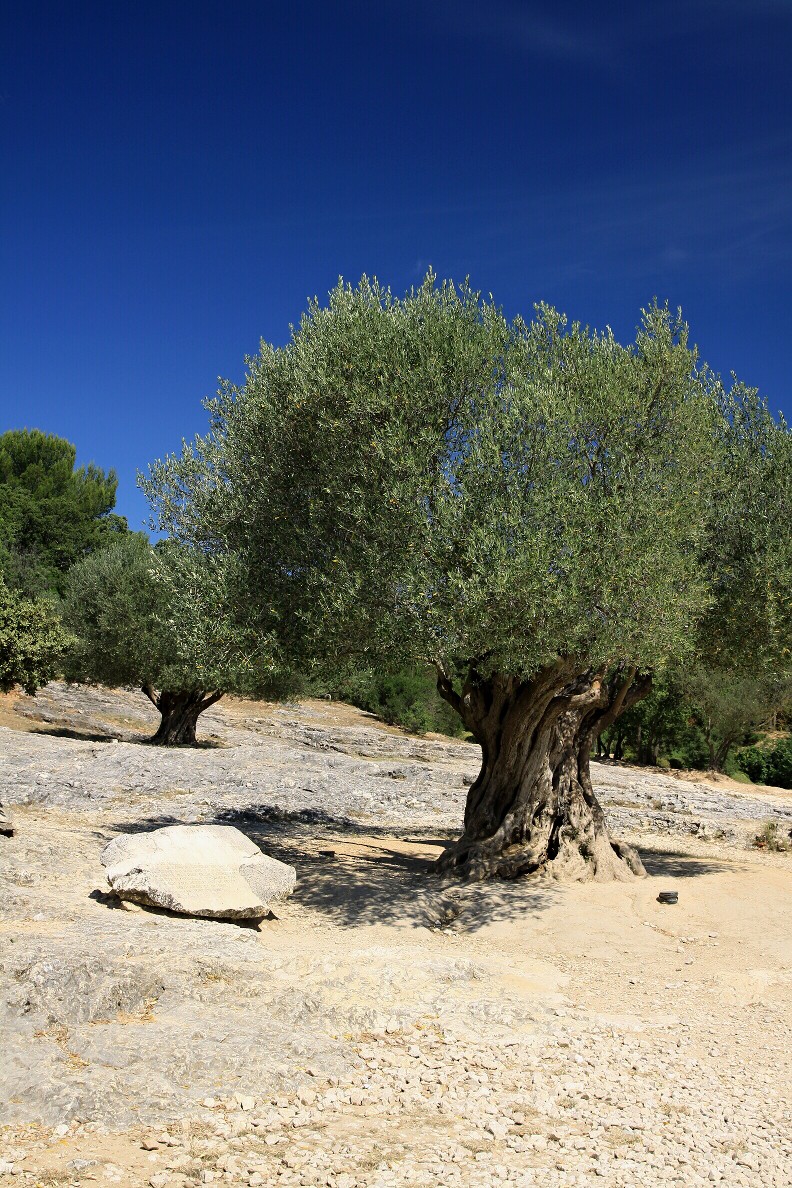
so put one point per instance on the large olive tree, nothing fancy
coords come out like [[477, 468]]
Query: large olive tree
[[529, 507]]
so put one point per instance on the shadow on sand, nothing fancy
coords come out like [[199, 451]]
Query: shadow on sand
[[358, 875], [678, 865]]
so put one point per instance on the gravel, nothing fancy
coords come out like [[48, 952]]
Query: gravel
[[377, 1034]]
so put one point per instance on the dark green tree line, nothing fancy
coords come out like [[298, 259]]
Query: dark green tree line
[[51, 514]]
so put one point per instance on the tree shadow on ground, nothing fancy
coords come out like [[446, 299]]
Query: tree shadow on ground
[[68, 732], [142, 735], [210, 743], [356, 874], [677, 864], [146, 824]]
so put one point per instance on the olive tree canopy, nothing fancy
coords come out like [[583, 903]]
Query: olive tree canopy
[[530, 507], [158, 617]]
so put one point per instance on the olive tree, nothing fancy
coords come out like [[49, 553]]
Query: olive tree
[[157, 617], [526, 506]]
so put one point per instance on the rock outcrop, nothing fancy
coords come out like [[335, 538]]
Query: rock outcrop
[[6, 826], [198, 870]]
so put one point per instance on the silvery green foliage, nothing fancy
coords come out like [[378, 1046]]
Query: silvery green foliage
[[418, 478], [748, 551], [159, 616]]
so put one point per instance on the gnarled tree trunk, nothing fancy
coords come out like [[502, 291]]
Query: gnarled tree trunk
[[533, 806], [180, 713]]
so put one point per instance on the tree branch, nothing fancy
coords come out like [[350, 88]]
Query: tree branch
[[148, 690], [591, 695], [618, 701], [447, 691], [630, 692]]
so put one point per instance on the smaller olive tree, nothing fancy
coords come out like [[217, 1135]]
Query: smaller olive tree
[[156, 617], [32, 641], [727, 705]]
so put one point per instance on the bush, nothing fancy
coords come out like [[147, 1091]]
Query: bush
[[691, 751], [772, 837], [407, 697], [768, 766], [752, 762], [779, 765], [32, 641]]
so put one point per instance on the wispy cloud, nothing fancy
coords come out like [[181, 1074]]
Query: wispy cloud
[[534, 29], [594, 35], [725, 216]]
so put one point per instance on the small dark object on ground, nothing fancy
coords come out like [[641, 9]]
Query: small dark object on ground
[[668, 897], [327, 853]]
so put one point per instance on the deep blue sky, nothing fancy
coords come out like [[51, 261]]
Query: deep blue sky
[[178, 178]]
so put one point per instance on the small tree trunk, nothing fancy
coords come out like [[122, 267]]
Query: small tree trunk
[[180, 712], [721, 753], [533, 806]]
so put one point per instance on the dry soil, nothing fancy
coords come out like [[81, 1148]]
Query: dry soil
[[386, 1029]]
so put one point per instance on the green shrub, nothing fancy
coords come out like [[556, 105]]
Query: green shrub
[[779, 765], [772, 836], [752, 762], [768, 766], [692, 749], [32, 641], [407, 697]]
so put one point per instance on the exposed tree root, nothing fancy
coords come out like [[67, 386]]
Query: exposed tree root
[[533, 807]]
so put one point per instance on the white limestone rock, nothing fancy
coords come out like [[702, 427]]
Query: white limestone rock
[[6, 825], [198, 870]]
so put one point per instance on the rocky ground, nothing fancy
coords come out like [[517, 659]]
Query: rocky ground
[[385, 1030]]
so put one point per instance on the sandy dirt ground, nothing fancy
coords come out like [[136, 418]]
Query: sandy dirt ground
[[385, 1029]]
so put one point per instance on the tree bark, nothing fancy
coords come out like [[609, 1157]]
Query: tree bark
[[722, 752], [618, 750], [180, 712], [533, 806]]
